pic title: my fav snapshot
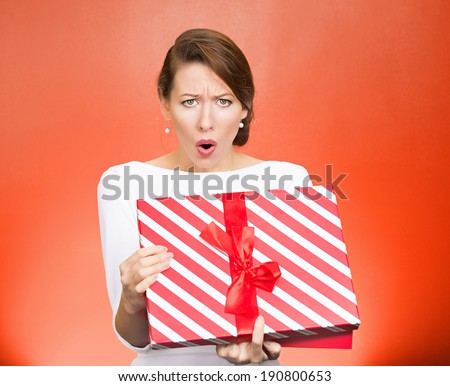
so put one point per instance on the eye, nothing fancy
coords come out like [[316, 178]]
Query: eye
[[189, 102], [224, 102]]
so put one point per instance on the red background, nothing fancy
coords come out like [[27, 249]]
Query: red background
[[361, 85]]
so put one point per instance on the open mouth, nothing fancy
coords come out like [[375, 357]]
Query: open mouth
[[205, 148]]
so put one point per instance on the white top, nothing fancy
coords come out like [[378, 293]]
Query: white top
[[119, 188]]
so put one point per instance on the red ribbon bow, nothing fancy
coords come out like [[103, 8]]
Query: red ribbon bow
[[238, 243], [245, 276]]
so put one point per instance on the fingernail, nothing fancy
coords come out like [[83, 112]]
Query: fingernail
[[168, 255]]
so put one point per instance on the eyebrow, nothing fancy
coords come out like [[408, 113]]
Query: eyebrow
[[190, 95], [197, 95]]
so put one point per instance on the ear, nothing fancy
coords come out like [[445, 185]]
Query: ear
[[164, 105], [244, 114]]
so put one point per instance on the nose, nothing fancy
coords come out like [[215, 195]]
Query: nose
[[205, 119]]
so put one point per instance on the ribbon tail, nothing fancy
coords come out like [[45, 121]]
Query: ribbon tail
[[246, 321]]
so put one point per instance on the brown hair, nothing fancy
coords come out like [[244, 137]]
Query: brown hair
[[223, 57]]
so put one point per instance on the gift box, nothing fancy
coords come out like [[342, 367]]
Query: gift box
[[280, 254]]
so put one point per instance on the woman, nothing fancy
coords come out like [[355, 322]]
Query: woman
[[206, 91]]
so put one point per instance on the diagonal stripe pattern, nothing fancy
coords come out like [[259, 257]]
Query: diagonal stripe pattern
[[314, 295]]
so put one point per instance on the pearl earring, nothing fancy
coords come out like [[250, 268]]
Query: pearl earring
[[167, 130], [241, 125]]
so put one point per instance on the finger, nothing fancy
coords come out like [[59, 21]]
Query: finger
[[227, 351], [232, 353], [272, 349], [128, 272], [142, 286], [220, 350], [258, 332], [140, 253], [159, 266], [146, 277], [145, 267], [151, 260], [256, 344]]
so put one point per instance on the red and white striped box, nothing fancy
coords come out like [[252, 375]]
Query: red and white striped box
[[313, 303]]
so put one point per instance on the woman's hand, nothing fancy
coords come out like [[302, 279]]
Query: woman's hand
[[255, 351], [137, 273], [140, 271]]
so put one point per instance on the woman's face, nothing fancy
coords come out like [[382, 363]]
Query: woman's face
[[203, 108]]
